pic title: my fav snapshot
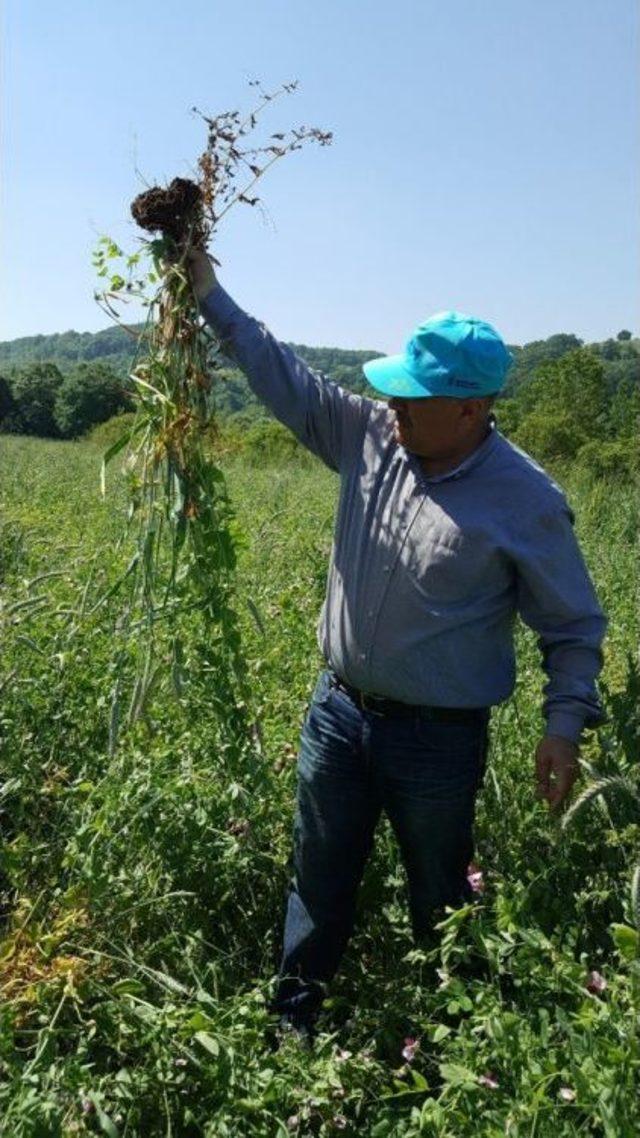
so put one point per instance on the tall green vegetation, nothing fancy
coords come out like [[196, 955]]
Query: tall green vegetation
[[143, 892]]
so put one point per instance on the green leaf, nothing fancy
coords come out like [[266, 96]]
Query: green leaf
[[441, 1032], [109, 454], [107, 1126], [627, 941], [255, 612], [381, 1129], [104, 1122], [128, 987], [456, 1075], [208, 1042], [198, 1022]]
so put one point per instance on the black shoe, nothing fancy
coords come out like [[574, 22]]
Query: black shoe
[[301, 1032]]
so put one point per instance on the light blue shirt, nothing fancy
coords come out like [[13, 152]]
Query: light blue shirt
[[427, 574]]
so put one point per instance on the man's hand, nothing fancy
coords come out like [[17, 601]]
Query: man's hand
[[557, 768], [201, 273]]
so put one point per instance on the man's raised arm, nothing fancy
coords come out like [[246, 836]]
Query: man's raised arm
[[328, 420]]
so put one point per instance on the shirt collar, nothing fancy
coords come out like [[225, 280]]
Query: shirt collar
[[477, 456]]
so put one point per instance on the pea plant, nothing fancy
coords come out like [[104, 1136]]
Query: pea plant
[[181, 572]]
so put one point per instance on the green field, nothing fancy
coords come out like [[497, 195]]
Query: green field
[[143, 893]]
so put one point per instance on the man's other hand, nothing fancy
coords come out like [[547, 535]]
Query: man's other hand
[[201, 273], [557, 769]]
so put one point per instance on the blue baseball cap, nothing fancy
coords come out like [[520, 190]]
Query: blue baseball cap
[[450, 354]]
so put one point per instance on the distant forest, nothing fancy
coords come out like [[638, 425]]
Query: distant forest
[[562, 395]]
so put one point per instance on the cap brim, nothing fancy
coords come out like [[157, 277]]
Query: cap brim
[[390, 376]]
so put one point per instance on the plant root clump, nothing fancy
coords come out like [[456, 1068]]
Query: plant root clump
[[175, 211]]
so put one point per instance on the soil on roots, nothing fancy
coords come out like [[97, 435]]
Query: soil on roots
[[175, 211]]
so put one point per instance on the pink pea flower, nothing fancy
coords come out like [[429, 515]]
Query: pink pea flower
[[339, 1121], [475, 877], [343, 1055], [411, 1045], [566, 1094], [489, 1080], [595, 983]]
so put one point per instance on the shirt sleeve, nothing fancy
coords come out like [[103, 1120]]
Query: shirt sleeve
[[556, 598], [327, 419]]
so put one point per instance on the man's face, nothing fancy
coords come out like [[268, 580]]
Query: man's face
[[438, 426]]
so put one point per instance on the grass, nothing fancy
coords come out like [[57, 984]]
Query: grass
[[144, 892]]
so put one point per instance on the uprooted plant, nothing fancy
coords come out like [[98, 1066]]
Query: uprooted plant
[[179, 584]]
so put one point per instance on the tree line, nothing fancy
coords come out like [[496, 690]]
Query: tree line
[[39, 399], [563, 399]]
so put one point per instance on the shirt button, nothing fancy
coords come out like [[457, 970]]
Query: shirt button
[[370, 613], [385, 568]]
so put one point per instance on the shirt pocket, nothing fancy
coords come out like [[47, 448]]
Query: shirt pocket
[[450, 565], [441, 569]]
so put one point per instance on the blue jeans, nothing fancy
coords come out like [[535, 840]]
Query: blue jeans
[[352, 765]]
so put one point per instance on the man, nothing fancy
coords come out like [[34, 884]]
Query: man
[[444, 532]]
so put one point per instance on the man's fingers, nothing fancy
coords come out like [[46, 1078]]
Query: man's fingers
[[563, 777], [543, 776], [566, 778], [201, 273], [542, 788], [557, 768]]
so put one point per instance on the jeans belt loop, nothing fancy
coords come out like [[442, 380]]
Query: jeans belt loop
[[362, 700]]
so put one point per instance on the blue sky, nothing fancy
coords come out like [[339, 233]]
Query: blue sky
[[485, 158]]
